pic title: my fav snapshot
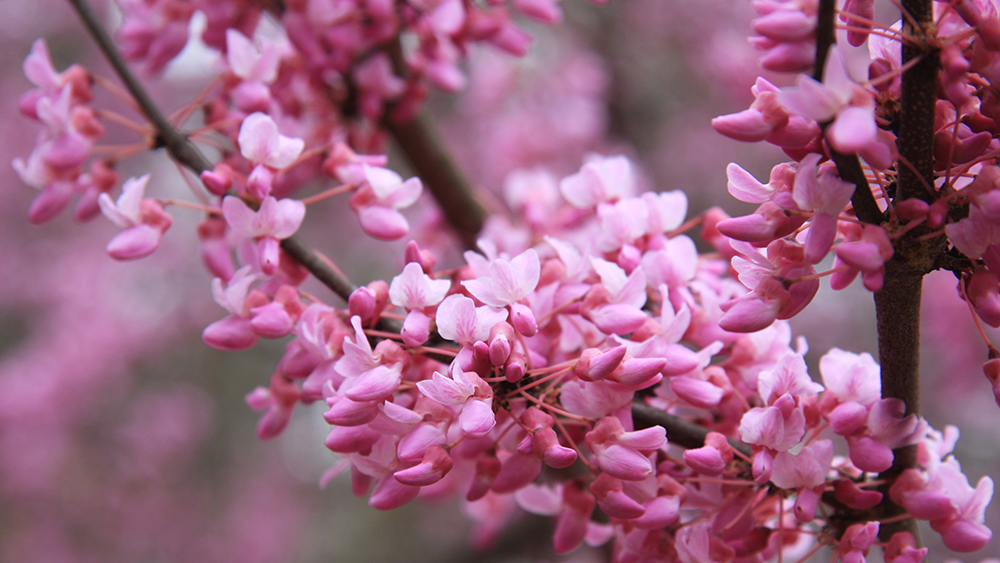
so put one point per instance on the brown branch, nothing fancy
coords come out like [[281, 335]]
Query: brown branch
[[679, 431], [897, 304]]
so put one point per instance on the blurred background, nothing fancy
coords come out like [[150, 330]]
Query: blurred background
[[124, 438]]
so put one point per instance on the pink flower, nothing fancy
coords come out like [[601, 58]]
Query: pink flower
[[620, 453], [459, 320], [274, 221], [838, 98], [820, 190], [382, 193], [602, 179], [144, 221], [235, 331], [267, 149], [507, 282], [465, 389], [415, 291]]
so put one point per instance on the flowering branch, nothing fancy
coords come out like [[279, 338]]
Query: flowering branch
[[184, 151]]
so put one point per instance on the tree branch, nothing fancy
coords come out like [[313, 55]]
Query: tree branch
[[897, 304], [679, 431]]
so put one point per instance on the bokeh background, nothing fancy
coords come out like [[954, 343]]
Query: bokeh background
[[123, 438]]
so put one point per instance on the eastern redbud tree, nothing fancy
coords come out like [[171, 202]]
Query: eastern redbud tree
[[585, 359]]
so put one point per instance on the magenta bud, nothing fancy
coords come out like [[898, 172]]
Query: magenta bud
[[785, 25], [50, 202], [912, 209], [499, 350], [790, 57], [766, 224], [480, 351], [514, 369], [259, 182], [219, 180], [870, 454], [345, 412], [416, 328], [251, 96], [435, 465], [546, 445], [634, 371], [351, 439], [748, 126], [706, 461], [523, 319], [660, 512], [361, 302]]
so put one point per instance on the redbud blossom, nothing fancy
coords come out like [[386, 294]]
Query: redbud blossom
[[144, 221], [272, 222]]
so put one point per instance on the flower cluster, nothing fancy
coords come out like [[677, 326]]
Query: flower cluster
[[532, 357], [562, 368]]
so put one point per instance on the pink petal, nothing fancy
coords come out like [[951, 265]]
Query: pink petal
[[135, 242]]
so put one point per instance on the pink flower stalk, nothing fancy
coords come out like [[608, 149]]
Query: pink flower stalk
[[272, 222], [268, 150], [143, 219]]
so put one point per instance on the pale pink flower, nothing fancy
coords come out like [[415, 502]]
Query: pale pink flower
[[821, 190], [508, 281], [839, 99], [415, 291], [267, 149], [459, 320], [465, 389], [620, 453], [382, 193], [602, 179], [144, 220], [250, 61], [273, 222]]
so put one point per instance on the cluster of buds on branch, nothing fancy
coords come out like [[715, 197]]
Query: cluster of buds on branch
[[588, 362]]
